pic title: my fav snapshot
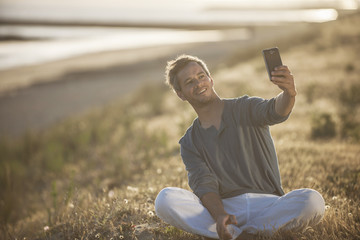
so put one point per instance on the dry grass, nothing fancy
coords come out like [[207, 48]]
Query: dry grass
[[97, 176]]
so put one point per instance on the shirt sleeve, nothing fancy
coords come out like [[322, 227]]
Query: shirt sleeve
[[260, 112], [201, 180]]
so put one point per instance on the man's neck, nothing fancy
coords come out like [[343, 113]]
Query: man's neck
[[210, 114]]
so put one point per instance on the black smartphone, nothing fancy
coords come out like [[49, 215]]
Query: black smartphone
[[272, 59]]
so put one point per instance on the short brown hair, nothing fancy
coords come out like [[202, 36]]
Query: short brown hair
[[174, 66]]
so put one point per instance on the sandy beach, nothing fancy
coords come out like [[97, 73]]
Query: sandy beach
[[51, 92]]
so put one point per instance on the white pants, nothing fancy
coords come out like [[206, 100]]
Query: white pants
[[254, 212]]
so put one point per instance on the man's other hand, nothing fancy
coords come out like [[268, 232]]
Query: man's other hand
[[221, 226]]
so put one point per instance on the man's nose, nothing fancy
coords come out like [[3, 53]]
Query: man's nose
[[197, 82]]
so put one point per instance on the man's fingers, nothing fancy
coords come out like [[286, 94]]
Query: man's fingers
[[282, 84], [280, 73], [281, 80], [223, 232], [282, 76], [283, 67], [222, 229], [231, 220]]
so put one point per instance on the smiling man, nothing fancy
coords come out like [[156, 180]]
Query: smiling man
[[231, 161]]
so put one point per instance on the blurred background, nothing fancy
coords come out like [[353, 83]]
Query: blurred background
[[60, 58], [89, 132]]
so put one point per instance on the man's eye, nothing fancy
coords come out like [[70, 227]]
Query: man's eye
[[201, 76]]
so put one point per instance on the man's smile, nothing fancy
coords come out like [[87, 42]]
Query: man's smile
[[201, 91]]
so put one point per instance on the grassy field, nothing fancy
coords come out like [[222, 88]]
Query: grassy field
[[96, 176]]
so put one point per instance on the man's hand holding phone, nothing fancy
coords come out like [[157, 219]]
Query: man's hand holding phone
[[282, 77], [278, 73]]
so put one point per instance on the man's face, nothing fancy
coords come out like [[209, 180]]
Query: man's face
[[196, 86]]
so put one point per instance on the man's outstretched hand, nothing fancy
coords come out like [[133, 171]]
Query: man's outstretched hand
[[285, 101], [283, 78], [221, 226]]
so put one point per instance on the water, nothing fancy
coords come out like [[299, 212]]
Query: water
[[68, 42], [59, 42]]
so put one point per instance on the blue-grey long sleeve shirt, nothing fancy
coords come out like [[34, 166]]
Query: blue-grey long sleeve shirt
[[238, 158]]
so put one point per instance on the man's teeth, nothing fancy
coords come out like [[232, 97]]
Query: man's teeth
[[202, 91]]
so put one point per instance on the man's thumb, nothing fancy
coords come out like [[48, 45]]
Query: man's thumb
[[232, 220]]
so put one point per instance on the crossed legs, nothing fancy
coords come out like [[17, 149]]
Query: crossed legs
[[255, 213]]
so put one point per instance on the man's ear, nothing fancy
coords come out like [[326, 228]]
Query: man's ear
[[212, 81], [180, 95]]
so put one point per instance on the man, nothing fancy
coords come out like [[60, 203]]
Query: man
[[231, 161]]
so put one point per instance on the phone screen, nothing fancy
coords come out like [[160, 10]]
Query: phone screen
[[272, 59]]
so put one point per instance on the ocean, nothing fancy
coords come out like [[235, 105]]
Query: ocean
[[38, 31]]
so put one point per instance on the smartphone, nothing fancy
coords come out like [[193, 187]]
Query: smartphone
[[272, 59]]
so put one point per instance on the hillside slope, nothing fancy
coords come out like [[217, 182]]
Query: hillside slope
[[97, 176]]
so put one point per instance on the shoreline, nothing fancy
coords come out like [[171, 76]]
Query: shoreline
[[92, 83], [16, 78], [19, 78]]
